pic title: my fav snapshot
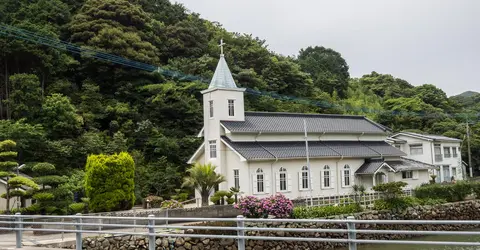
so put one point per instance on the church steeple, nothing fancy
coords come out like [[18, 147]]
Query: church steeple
[[222, 78]]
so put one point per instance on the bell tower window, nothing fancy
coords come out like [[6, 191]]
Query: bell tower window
[[231, 107]]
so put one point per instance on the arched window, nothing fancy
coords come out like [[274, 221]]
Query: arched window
[[260, 181], [283, 179], [326, 176], [305, 178], [346, 176]]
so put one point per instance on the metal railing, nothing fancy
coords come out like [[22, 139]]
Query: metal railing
[[365, 199], [349, 227]]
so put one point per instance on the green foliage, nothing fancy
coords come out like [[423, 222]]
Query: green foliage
[[25, 97], [19, 181], [325, 211], [43, 196], [391, 190], [109, 182], [449, 192], [77, 207], [171, 204], [44, 168], [203, 178]]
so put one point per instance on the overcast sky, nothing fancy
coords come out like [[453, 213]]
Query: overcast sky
[[421, 41]]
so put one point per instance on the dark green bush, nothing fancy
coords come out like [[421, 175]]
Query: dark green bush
[[325, 211], [476, 189], [449, 192], [77, 208]]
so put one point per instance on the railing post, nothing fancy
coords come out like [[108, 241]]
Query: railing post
[[352, 235], [241, 232], [19, 226], [78, 234], [151, 232], [166, 216]]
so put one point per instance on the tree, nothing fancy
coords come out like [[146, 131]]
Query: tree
[[204, 179], [60, 117], [25, 97], [109, 182], [7, 164], [327, 67], [52, 198]]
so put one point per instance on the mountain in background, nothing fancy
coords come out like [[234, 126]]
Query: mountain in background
[[467, 94]]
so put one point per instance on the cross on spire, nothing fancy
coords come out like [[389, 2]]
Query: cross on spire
[[221, 46]]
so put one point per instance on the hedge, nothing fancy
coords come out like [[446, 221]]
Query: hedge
[[325, 211], [449, 192], [109, 182]]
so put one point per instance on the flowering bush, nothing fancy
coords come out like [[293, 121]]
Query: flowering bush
[[171, 204], [277, 205], [251, 207]]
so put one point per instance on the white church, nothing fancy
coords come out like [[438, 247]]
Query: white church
[[264, 153]]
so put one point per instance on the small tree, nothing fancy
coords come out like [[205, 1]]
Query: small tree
[[204, 179], [391, 190], [109, 182], [7, 164], [52, 198]]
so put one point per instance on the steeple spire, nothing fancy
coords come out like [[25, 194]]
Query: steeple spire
[[222, 78]]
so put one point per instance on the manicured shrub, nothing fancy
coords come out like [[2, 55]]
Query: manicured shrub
[[391, 190], [449, 192], [77, 207], [324, 211], [172, 204], [109, 182]]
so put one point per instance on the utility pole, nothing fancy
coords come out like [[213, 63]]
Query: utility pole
[[469, 151], [308, 162]]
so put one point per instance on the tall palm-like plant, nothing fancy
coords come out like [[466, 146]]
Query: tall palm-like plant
[[203, 178]]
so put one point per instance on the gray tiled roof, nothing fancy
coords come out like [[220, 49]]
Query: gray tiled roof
[[272, 122], [372, 165], [432, 137], [296, 149], [409, 164]]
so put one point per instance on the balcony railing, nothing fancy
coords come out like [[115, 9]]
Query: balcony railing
[[448, 155], [438, 158]]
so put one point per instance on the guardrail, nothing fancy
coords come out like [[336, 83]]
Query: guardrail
[[79, 226]]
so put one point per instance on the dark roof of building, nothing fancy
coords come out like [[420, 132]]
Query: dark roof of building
[[372, 165], [429, 137], [272, 122], [317, 149]]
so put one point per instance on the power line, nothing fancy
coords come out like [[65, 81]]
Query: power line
[[30, 36]]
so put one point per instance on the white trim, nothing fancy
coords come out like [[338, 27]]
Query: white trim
[[200, 134], [196, 154], [226, 129], [235, 151], [413, 136], [383, 165]]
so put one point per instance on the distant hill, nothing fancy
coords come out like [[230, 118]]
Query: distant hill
[[467, 94]]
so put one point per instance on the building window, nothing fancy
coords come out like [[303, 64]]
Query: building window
[[454, 152], [346, 176], [213, 149], [236, 178], [416, 149], [260, 181], [231, 107], [210, 105], [283, 179], [326, 176], [446, 152], [304, 178], [407, 175], [437, 151]]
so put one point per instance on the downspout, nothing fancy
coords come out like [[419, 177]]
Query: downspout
[[358, 138], [339, 174]]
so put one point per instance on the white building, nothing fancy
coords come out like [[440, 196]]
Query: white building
[[264, 153], [441, 151]]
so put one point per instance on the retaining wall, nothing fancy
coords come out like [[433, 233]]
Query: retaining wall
[[468, 210]]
